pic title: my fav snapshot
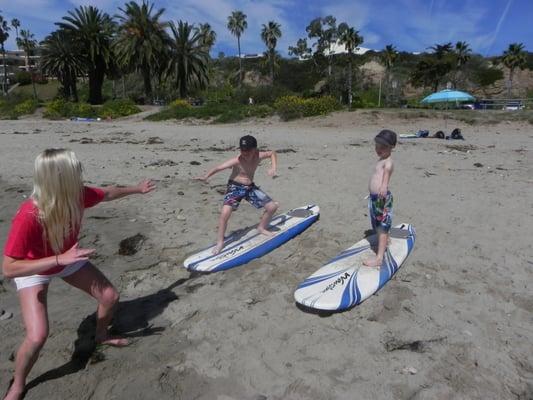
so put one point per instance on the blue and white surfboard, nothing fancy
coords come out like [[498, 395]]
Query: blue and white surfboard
[[243, 246], [345, 282]]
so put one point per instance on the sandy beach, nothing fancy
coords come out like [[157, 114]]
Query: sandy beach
[[455, 322]]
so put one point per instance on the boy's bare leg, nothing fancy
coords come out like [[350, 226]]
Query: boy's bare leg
[[270, 209], [376, 261], [222, 225]]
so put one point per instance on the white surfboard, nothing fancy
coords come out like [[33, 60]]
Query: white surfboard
[[345, 282], [246, 244]]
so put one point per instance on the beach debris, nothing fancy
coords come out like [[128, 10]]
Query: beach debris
[[180, 193], [5, 315], [479, 165], [417, 346], [154, 140], [195, 163], [428, 174], [410, 370], [161, 163], [281, 151], [131, 245]]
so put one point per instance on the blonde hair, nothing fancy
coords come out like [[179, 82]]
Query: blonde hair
[[58, 195]]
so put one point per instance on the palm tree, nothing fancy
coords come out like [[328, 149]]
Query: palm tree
[[189, 58], [514, 57], [270, 35], [388, 58], [92, 30], [4, 35], [142, 43], [27, 42], [208, 36], [441, 50], [62, 58], [351, 39], [15, 23], [301, 50], [462, 55], [237, 25]]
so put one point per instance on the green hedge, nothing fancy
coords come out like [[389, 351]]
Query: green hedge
[[12, 108], [292, 107], [60, 108], [220, 112]]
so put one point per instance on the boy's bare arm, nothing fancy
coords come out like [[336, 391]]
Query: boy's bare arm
[[225, 165], [387, 172], [273, 160]]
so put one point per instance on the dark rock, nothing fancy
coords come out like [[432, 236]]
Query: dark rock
[[131, 245]]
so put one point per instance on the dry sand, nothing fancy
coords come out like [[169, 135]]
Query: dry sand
[[455, 322]]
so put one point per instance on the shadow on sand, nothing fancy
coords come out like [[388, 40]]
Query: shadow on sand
[[132, 319]]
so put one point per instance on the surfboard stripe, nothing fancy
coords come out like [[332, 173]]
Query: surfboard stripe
[[267, 246]]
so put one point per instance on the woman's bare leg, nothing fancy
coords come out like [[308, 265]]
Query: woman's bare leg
[[33, 306], [92, 281]]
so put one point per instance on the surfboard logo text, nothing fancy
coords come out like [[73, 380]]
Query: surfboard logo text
[[339, 281], [230, 253]]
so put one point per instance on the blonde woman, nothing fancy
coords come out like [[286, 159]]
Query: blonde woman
[[43, 244]]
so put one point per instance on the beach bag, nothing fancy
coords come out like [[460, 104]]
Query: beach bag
[[439, 135], [456, 135], [422, 133]]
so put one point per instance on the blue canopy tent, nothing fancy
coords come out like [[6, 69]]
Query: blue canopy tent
[[447, 96]]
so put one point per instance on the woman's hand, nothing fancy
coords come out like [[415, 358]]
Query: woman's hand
[[74, 254]]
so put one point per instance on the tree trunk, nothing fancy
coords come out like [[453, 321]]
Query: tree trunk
[[510, 87], [240, 60], [272, 68], [147, 83], [350, 82], [4, 86], [33, 86], [96, 80], [74, 88]]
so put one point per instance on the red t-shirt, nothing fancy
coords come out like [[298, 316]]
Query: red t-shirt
[[25, 238]]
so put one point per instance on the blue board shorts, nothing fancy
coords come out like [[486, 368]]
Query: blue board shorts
[[236, 191], [380, 210]]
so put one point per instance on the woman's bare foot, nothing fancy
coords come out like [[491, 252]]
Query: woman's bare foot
[[114, 341], [264, 231], [373, 262], [218, 248]]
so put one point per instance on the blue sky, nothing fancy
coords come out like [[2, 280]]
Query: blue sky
[[489, 26]]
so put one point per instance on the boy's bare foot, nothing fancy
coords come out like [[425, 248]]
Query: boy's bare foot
[[113, 341], [264, 231], [373, 262], [218, 248]]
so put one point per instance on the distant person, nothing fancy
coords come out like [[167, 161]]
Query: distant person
[[380, 199], [42, 244], [250, 101], [241, 186]]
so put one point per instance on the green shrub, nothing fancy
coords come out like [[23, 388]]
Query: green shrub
[[26, 107], [291, 107], [23, 78], [60, 108], [118, 108], [57, 108], [180, 103], [83, 110]]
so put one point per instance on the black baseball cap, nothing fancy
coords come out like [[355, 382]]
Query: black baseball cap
[[247, 142], [386, 137]]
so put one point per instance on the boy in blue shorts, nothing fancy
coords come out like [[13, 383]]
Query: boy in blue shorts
[[241, 186], [380, 198]]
